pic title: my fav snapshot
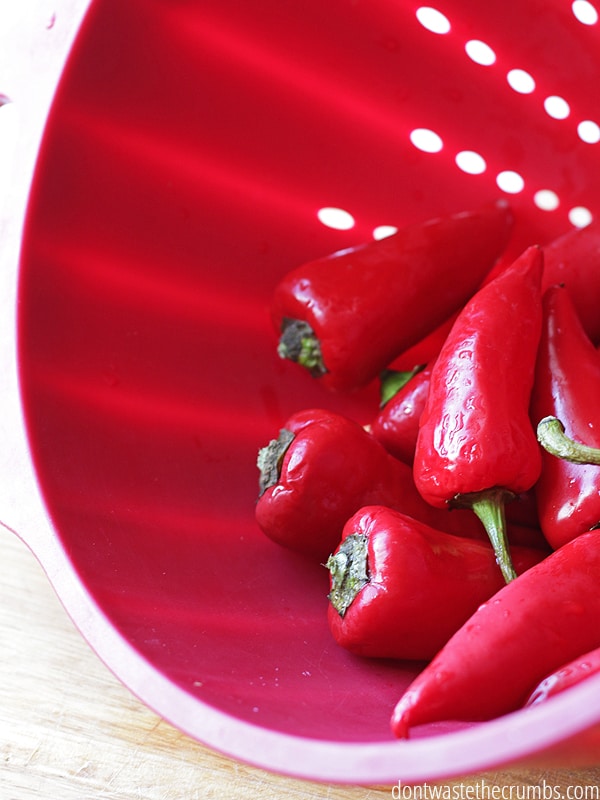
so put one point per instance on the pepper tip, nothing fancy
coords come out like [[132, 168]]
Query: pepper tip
[[400, 722]]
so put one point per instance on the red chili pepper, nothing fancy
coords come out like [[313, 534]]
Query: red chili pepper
[[322, 468], [429, 347], [567, 384], [400, 589], [476, 445], [346, 317], [396, 425], [397, 428], [523, 510], [571, 674], [540, 620], [572, 260]]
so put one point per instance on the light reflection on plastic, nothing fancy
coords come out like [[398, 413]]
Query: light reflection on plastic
[[510, 182], [470, 162], [520, 81], [584, 12], [546, 200], [383, 231], [557, 107], [433, 20], [579, 216], [336, 218], [426, 140], [480, 53], [588, 131]]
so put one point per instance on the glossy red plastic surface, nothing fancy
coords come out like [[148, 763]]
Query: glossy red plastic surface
[[188, 151]]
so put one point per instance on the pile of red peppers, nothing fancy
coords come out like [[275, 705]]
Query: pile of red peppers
[[460, 524]]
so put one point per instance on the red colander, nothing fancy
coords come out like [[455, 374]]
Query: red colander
[[195, 152]]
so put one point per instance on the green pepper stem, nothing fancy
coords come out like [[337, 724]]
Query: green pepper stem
[[489, 507], [298, 342], [392, 380], [551, 435], [349, 571]]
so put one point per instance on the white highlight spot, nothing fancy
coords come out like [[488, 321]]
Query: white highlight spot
[[584, 12], [336, 218], [510, 182], [521, 81], [589, 131], [579, 216], [383, 231], [433, 20], [480, 52], [546, 200], [557, 107], [426, 140], [470, 162]]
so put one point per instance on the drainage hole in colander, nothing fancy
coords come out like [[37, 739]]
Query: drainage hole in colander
[[585, 12], [471, 162]]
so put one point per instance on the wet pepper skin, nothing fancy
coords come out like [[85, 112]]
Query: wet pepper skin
[[422, 585], [476, 446], [475, 432], [331, 468], [396, 425], [544, 618], [571, 674], [366, 305], [567, 386]]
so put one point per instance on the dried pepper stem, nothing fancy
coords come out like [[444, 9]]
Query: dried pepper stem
[[349, 571], [551, 435]]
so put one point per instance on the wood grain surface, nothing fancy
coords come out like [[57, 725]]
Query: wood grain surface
[[70, 730]]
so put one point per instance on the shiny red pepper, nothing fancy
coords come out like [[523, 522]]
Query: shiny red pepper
[[571, 674], [566, 387], [396, 425], [346, 317], [572, 260], [400, 589], [476, 446], [428, 348], [321, 469], [534, 624]]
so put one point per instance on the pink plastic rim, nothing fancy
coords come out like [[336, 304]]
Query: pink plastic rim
[[153, 235]]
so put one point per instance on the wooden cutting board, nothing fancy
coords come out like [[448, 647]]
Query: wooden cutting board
[[70, 730]]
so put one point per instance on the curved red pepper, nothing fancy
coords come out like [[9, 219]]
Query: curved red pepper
[[397, 428], [396, 425], [571, 674], [533, 625], [572, 260], [567, 384], [346, 317], [476, 444], [321, 470], [429, 347], [400, 589]]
